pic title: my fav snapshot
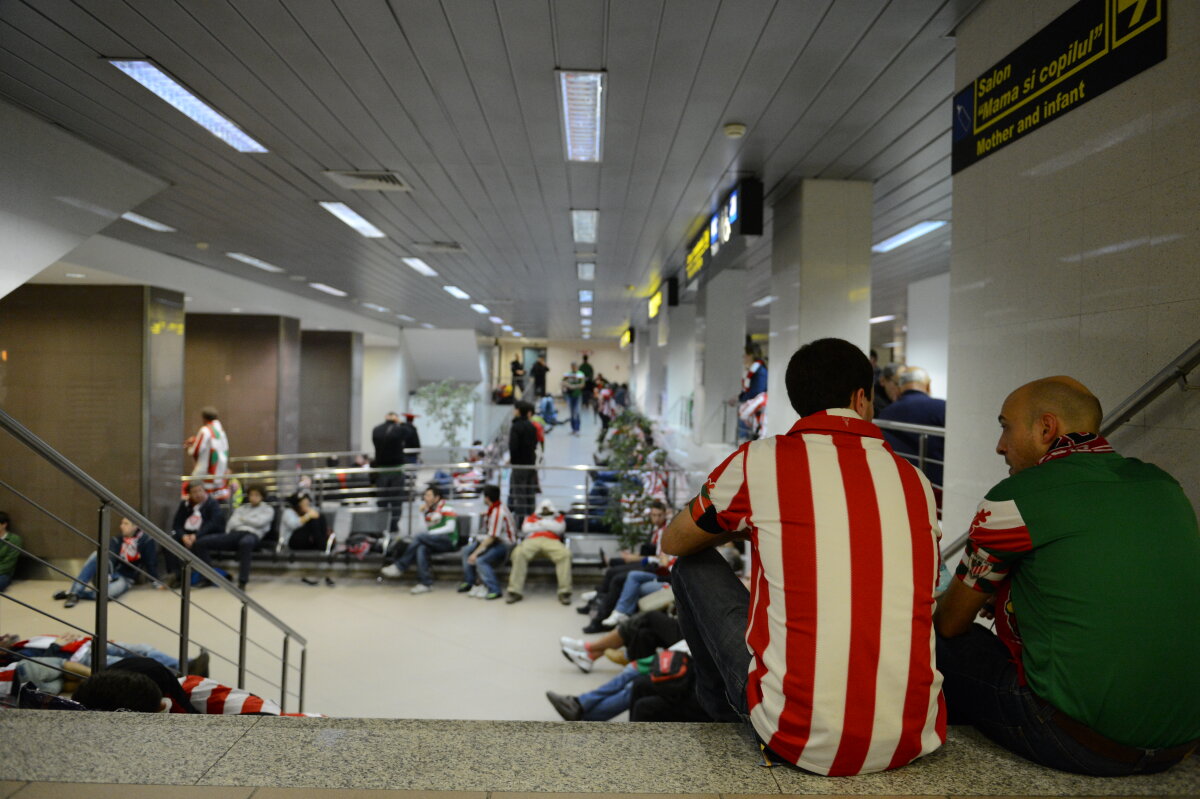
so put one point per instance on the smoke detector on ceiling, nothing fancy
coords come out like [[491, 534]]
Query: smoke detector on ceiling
[[735, 130], [438, 246], [368, 181]]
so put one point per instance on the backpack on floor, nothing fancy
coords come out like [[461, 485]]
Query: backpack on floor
[[671, 674]]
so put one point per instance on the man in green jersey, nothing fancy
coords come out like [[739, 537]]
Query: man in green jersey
[[1082, 556]]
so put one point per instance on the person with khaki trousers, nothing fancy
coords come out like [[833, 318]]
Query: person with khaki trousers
[[543, 531]]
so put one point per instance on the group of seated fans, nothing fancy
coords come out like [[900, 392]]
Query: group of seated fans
[[837, 648]]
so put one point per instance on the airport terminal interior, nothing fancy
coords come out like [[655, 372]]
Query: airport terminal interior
[[345, 279]]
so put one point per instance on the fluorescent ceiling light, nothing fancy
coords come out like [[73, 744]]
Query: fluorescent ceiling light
[[235, 310], [875, 320], [517, 334], [370, 306], [587, 270], [352, 218], [495, 320], [506, 328], [905, 236], [585, 310], [767, 300], [420, 266], [478, 308], [587, 335], [76, 275], [891, 344], [427, 326], [138, 219], [583, 225], [188, 104], [405, 317], [581, 104], [455, 291], [327, 289], [255, 262], [585, 295]]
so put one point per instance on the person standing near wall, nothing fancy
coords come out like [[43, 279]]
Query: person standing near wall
[[209, 449], [518, 376], [589, 382], [389, 453], [572, 388], [539, 370]]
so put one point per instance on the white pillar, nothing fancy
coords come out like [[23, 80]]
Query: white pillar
[[722, 337], [681, 364], [820, 277]]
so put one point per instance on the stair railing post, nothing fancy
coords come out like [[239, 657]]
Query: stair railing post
[[100, 638]]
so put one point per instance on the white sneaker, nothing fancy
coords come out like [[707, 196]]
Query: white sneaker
[[478, 592], [421, 588], [579, 658], [390, 570], [567, 642], [588, 596], [616, 618]]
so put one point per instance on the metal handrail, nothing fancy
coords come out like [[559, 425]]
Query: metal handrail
[[285, 456], [110, 502], [1176, 371]]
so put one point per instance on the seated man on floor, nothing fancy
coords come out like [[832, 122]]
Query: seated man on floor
[[1086, 559], [441, 535], [490, 550], [249, 524], [130, 553], [830, 653], [543, 531], [198, 515]]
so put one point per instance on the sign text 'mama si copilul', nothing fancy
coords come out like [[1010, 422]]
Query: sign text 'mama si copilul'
[[1092, 47]]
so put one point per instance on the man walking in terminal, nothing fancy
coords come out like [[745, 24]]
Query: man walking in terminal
[[830, 652], [209, 449], [1087, 560]]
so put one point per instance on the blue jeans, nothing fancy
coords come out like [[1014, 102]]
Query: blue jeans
[[713, 606], [419, 550], [5, 582], [611, 699], [573, 405], [486, 564], [638, 585], [117, 584], [121, 650], [982, 689]]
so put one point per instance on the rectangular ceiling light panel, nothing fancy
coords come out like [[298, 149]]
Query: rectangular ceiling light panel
[[328, 289], [905, 236], [583, 226], [370, 306], [587, 270], [255, 262], [352, 218], [420, 266], [188, 104], [478, 308], [581, 104], [455, 291], [146, 222], [495, 320], [585, 295]]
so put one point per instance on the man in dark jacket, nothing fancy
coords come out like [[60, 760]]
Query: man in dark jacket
[[198, 515], [538, 372], [389, 439], [522, 451], [412, 439], [914, 405]]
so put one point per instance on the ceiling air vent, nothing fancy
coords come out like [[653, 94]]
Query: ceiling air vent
[[438, 246], [368, 181]]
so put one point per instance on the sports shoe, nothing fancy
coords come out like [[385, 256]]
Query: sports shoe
[[421, 588], [579, 658], [564, 597], [199, 664], [72, 601], [464, 588], [511, 597], [492, 595], [588, 596], [616, 618], [567, 706], [478, 592], [390, 570], [60, 595], [573, 643]]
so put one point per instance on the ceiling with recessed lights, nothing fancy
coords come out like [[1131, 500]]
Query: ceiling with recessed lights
[[454, 110]]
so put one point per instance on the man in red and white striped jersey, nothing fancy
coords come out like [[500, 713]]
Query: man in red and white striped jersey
[[829, 655]]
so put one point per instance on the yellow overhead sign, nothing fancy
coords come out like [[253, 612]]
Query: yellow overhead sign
[[655, 303]]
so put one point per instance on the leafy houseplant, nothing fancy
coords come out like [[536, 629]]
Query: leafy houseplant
[[448, 405], [630, 445]]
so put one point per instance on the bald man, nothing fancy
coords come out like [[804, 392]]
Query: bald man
[[1088, 562]]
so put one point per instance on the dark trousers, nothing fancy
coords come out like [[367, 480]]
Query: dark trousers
[[713, 606], [982, 689], [310, 535], [522, 492], [244, 542], [391, 496]]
